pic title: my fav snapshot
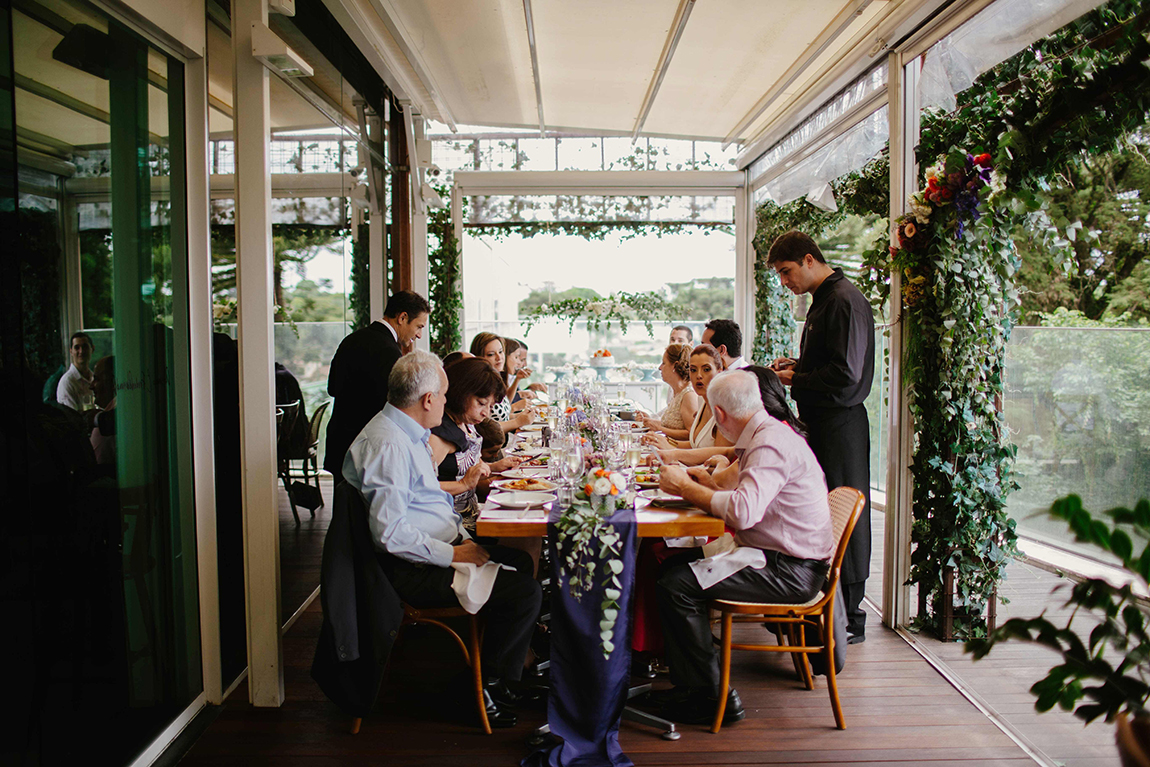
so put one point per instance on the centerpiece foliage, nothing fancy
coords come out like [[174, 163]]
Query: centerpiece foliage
[[591, 545]]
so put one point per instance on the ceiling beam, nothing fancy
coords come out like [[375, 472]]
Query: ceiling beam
[[535, 66], [818, 46], [673, 36]]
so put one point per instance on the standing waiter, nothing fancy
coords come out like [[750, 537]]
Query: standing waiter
[[830, 381], [358, 375]]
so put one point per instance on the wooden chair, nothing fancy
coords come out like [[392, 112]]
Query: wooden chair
[[434, 616], [284, 425], [309, 457], [846, 505]]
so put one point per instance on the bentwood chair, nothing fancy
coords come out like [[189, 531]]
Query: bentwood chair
[[284, 424], [435, 616], [309, 455], [817, 614]]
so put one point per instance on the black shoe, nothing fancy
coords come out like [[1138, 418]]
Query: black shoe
[[858, 638], [662, 698], [643, 667], [699, 708], [503, 695], [499, 718]]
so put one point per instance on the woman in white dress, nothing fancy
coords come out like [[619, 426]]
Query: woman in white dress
[[677, 417]]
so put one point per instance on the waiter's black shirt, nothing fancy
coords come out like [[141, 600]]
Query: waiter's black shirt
[[836, 362]]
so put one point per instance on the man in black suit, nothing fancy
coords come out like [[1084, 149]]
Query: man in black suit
[[358, 375]]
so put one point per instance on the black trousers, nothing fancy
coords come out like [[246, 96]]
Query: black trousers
[[840, 439], [690, 653], [509, 614]]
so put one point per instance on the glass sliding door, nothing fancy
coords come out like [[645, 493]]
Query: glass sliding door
[[96, 442]]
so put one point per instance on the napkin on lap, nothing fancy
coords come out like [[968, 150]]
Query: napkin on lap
[[724, 558], [472, 583]]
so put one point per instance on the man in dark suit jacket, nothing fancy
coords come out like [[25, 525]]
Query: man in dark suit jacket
[[358, 375]]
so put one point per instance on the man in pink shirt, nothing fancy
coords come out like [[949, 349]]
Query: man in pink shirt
[[776, 501]]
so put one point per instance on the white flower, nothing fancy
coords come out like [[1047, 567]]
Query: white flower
[[920, 209], [219, 311], [602, 486], [617, 479], [544, 307], [597, 308]]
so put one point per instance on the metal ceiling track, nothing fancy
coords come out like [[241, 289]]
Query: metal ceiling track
[[681, 15], [535, 66]]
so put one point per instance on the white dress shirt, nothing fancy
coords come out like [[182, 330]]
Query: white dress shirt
[[390, 464]]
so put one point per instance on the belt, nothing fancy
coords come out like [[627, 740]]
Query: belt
[[815, 565]]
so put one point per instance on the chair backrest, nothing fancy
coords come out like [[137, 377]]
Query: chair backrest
[[846, 505], [316, 421], [284, 425]]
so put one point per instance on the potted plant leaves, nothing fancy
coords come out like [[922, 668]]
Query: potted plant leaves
[[1108, 674]]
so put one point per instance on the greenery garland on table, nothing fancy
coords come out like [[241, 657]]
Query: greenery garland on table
[[621, 307], [593, 544]]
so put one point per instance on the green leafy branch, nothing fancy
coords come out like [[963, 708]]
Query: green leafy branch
[[600, 314]]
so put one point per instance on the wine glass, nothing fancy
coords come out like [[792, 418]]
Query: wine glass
[[571, 466]]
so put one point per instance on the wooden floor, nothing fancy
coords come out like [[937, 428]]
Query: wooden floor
[[301, 549], [899, 710], [1001, 682]]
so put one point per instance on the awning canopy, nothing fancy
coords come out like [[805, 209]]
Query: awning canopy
[[713, 69]]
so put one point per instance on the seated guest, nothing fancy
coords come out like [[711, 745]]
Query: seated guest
[[418, 534], [493, 438], [472, 387], [491, 348], [776, 503], [103, 436], [704, 438], [726, 336], [681, 334], [515, 370], [683, 403], [454, 357], [75, 387]]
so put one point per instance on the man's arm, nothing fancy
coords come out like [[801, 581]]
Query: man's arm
[[383, 479], [847, 331], [763, 476]]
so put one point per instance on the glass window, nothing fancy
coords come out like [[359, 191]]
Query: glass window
[[101, 458]]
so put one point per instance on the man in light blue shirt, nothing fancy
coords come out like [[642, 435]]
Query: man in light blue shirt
[[419, 534]]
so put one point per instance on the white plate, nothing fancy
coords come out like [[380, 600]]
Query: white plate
[[533, 426], [527, 451], [532, 472], [519, 499], [514, 514], [549, 486], [659, 498]]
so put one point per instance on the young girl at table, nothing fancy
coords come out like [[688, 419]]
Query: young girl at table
[[491, 348]]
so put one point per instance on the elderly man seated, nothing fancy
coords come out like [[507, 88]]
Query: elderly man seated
[[776, 500], [419, 535]]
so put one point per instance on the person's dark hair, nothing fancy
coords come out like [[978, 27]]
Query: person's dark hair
[[491, 433], [452, 358], [406, 301], [793, 246], [510, 346], [775, 398], [708, 350], [81, 334], [726, 333], [690, 333], [481, 340], [468, 378], [679, 355]]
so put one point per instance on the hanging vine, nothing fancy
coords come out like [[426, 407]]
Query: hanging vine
[[445, 293]]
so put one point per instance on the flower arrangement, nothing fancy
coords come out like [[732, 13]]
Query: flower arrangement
[[957, 262], [604, 488], [591, 545], [600, 314]]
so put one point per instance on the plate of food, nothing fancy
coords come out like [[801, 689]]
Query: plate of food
[[516, 499], [531, 484], [537, 461], [522, 449], [659, 498], [647, 476], [526, 473]]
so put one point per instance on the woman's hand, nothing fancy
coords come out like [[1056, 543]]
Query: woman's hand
[[716, 463], [474, 474], [659, 441], [525, 416], [652, 423], [522, 373], [510, 462]]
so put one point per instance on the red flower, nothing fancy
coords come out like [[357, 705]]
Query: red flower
[[982, 160]]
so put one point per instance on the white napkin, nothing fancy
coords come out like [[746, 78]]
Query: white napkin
[[724, 558], [472, 583], [685, 542]]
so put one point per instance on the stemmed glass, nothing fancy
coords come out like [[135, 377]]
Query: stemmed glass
[[570, 468]]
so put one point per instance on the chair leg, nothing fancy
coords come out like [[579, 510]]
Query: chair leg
[[314, 473], [287, 489], [355, 723], [478, 675], [794, 655], [829, 658], [724, 673]]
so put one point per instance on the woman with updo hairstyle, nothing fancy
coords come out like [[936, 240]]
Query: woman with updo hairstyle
[[684, 402], [703, 436], [472, 387]]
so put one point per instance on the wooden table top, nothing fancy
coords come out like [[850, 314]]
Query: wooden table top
[[653, 523]]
